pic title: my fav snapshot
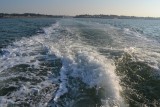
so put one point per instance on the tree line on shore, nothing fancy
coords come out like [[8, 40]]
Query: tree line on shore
[[28, 15]]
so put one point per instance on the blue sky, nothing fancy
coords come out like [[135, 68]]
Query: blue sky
[[73, 7]]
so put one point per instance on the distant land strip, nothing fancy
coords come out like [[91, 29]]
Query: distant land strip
[[28, 15], [34, 15], [113, 17]]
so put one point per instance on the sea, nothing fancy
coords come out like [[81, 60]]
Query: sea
[[79, 62]]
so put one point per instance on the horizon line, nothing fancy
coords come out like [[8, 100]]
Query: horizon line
[[81, 14]]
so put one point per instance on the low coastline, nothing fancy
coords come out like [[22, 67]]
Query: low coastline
[[28, 15], [102, 16]]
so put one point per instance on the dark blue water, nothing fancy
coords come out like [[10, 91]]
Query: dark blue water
[[47, 62], [14, 29]]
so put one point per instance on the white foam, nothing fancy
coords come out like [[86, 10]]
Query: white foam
[[143, 48], [143, 55], [78, 60], [86, 63], [26, 51], [20, 52]]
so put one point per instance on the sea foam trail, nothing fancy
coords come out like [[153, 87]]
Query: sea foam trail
[[55, 67], [84, 62], [78, 61]]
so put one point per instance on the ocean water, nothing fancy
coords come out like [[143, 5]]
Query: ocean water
[[47, 62]]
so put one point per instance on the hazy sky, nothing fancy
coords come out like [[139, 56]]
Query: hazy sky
[[73, 7]]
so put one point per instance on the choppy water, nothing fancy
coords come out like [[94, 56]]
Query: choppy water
[[79, 63]]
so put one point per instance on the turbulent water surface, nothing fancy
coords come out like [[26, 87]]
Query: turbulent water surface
[[79, 63]]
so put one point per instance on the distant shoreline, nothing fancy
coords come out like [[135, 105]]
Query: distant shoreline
[[34, 15], [114, 17], [29, 15]]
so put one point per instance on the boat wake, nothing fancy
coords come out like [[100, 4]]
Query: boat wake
[[64, 66]]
